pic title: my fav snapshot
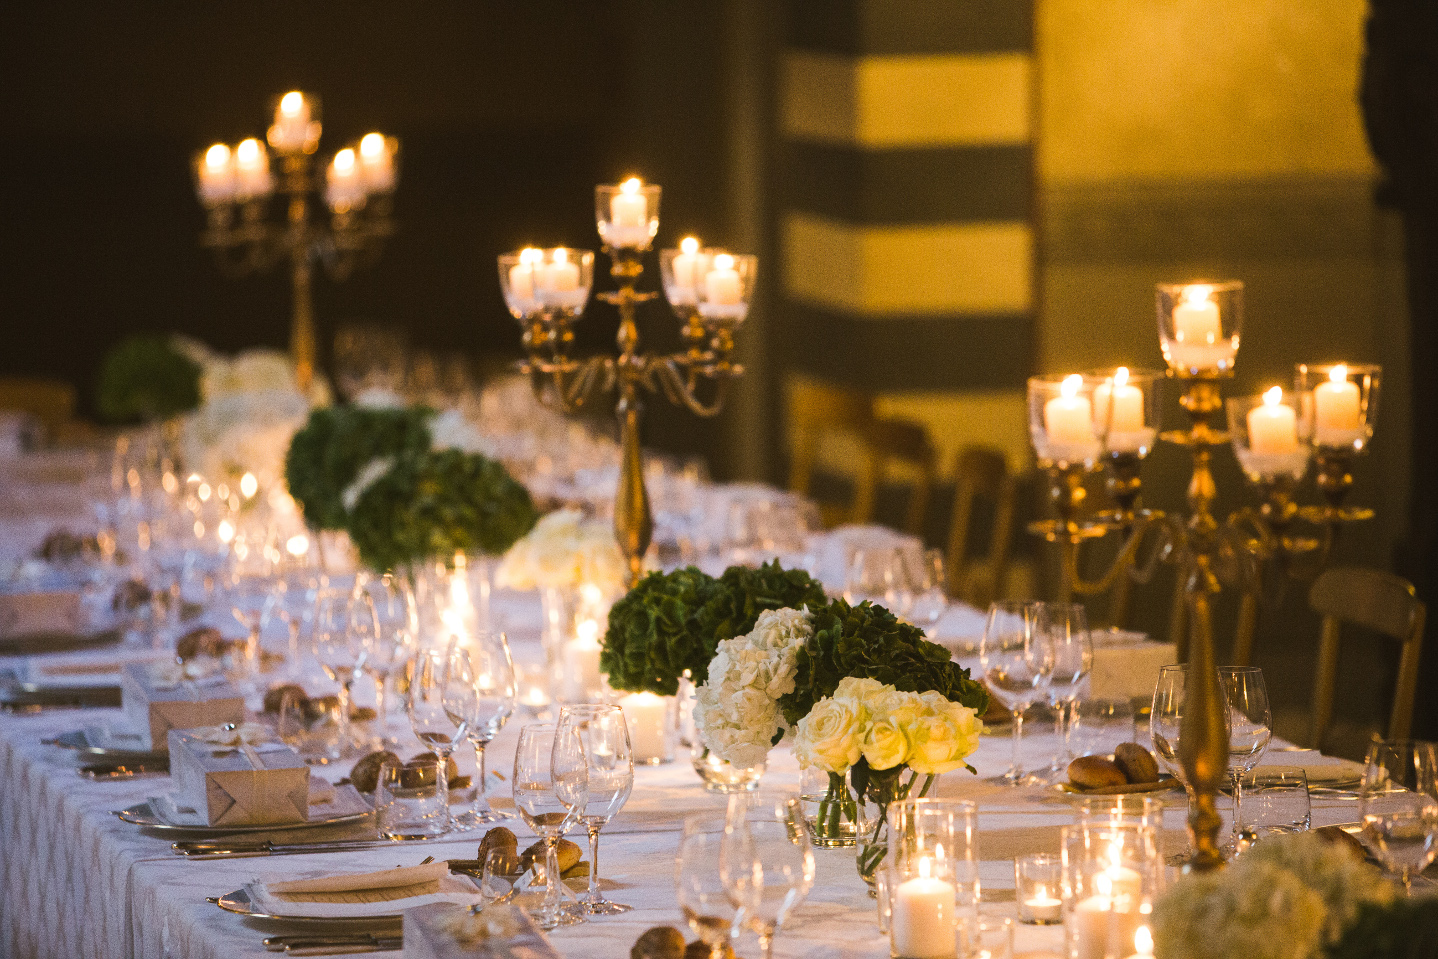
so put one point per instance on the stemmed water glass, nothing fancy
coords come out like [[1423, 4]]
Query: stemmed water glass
[[344, 622], [928, 586], [1065, 627], [429, 715], [697, 883], [248, 584], [878, 575], [1017, 660], [765, 862], [551, 798], [479, 697], [1250, 727], [1400, 805], [393, 642], [597, 737]]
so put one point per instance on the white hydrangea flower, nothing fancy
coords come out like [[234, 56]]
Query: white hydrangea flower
[[565, 550]]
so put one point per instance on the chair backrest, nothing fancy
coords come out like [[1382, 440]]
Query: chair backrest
[[816, 409], [52, 402], [900, 442], [1377, 601], [980, 473]]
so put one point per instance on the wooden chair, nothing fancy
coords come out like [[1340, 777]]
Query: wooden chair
[[1377, 601], [52, 402], [891, 443], [980, 473], [818, 412]]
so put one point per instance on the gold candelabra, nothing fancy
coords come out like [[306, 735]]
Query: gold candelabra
[[710, 291], [1108, 421], [236, 185]]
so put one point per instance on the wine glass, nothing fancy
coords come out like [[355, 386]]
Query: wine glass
[[1250, 727], [765, 862], [697, 883], [343, 622], [928, 584], [429, 717], [597, 737], [1065, 627], [877, 575], [479, 694], [1400, 805], [393, 642], [248, 584], [550, 801], [1017, 661]]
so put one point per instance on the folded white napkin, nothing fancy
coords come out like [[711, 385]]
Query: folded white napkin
[[326, 802], [1321, 770], [358, 895]]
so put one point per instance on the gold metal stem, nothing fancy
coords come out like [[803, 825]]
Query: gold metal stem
[[303, 348], [1203, 733]]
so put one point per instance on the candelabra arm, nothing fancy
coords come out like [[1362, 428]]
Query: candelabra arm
[[1123, 563], [682, 387]]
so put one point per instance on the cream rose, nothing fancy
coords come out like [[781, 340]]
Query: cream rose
[[830, 736], [944, 736]]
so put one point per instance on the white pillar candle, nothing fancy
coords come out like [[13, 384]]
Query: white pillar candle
[[1043, 907], [686, 263], [1099, 930], [292, 122], [252, 168], [628, 216], [217, 175], [581, 664], [344, 184], [722, 286], [1118, 405], [1273, 427], [1068, 417], [1142, 944], [376, 162], [560, 276], [647, 716], [1336, 419], [1195, 318], [922, 923]]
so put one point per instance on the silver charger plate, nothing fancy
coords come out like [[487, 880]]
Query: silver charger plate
[[79, 741], [239, 903], [142, 814]]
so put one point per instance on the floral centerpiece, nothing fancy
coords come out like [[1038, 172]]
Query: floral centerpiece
[[147, 378], [565, 551], [862, 694], [1293, 897]]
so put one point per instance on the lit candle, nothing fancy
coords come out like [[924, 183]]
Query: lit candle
[[1104, 924], [1042, 907], [1068, 417], [252, 169], [721, 284], [1142, 944], [376, 162], [1336, 418], [1273, 427], [291, 132], [217, 175], [1118, 405], [1198, 341], [628, 216], [344, 183], [647, 716], [687, 271], [922, 924], [584, 681], [521, 278]]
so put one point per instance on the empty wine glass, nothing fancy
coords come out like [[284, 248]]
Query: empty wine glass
[[393, 642], [551, 802], [765, 862], [878, 576], [928, 585], [425, 704], [597, 737], [479, 693], [1065, 627], [1166, 720], [1017, 661], [248, 585], [1250, 727], [343, 623], [697, 883], [1400, 805]]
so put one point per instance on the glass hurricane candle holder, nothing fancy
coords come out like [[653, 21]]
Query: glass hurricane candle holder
[[563, 279], [1125, 409], [1345, 402], [1061, 421], [1037, 889], [379, 162], [1111, 875], [943, 832], [1270, 434], [723, 294], [653, 726], [682, 271], [627, 214], [1199, 325], [519, 283], [297, 127], [214, 171]]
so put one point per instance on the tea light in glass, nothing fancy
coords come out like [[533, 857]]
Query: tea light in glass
[[1037, 889], [1199, 326], [1345, 402]]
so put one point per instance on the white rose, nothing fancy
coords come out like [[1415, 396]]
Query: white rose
[[943, 737], [886, 741], [830, 736]]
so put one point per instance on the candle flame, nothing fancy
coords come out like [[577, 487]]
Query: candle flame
[[292, 103], [631, 185], [723, 262], [217, 157], [248, 151], [1338, 374], [345, 161], [298, 544], [560, 255], [372, 146], [1103, 884], [1143, 941], [689, 245], [529, 256], [1071, 386], [1120, 376], [925, 867], [1273, 397], [249, 485], [1197, 292]]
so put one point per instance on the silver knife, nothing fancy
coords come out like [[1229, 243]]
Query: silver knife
[[338, 949], [215, 849]]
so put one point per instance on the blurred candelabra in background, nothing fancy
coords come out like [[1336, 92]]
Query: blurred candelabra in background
[[236, 184]]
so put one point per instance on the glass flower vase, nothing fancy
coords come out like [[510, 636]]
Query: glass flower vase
[[871, 847], [722, 776], [836, 816]]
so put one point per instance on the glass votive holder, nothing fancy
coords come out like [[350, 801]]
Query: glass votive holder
[[985, 937], [1111, 875], [518, 272], [563, 279], [531, 689], [1270, 435], [923, 907], [1345, 402], [722, 296], [682, 271], [1125, 409], [653, 726], [943, 832], [627, 214], [1061, 421], [1122, 808], [1199, 326], [1038, 887], [411, 800]]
